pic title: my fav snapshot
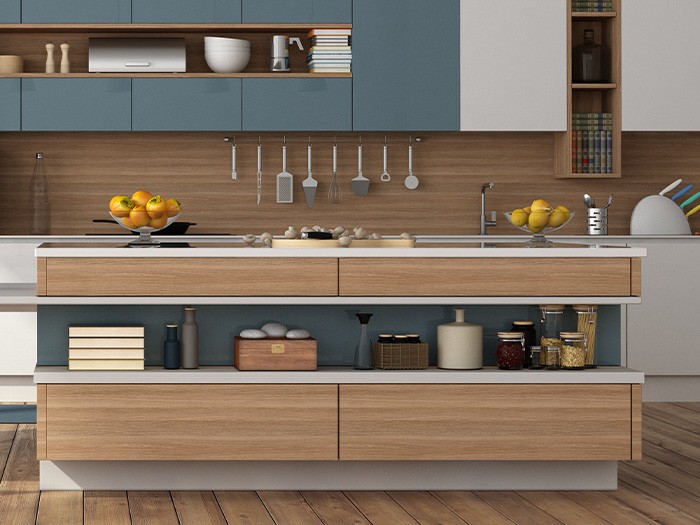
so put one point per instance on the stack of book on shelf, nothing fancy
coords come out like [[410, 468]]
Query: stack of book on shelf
[[591, 6], [331, 51], [105, 348], [591, 143]]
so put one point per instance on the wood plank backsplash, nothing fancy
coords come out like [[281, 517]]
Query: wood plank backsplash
[[86, 169]]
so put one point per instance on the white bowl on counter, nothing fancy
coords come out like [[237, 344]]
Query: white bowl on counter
[[212, 41], [228, 61]]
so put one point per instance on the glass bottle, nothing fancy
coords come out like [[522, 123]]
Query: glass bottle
[[572, 355], [171, 348], [551, 325], [535, 352], [39, 198], [590, 62], [190, 340], [528, 329], [363, 350], [509, 351], [551, 357], [586, 321]]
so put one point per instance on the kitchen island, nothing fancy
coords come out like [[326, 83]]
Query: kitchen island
[[336, 428]]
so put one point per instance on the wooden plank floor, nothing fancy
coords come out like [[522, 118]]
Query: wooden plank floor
[[661, 489]]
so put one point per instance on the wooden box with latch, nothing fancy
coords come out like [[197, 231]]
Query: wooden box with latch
[[274, 354]]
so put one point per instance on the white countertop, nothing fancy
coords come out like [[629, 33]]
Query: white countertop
[[430, 249], [340, 375]]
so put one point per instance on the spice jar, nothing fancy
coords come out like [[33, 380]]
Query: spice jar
[[572, 355], [587, 317], [385, 338], [551, 357], [535, 352], [413, 338], [551, 324], [528, 329], [509, 351]]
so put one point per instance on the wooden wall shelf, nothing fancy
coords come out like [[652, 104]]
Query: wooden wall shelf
[[165, 28], [178, 75], [594, 86], [593, 16]]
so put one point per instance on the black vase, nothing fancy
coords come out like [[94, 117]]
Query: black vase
[[171, 348]]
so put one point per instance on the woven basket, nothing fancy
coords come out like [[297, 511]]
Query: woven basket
[[406, 356]]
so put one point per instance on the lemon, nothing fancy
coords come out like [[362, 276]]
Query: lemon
[[527, 210], [540, 205], [557, 218], [518, 217], [565, 210], [537, 221]]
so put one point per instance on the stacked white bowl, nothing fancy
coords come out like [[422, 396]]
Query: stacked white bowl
[[226, 55]]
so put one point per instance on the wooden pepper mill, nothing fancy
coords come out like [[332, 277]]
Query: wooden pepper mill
[[50, 64], [65, 62]]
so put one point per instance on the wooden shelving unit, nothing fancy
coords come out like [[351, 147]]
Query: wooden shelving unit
[[592, 98]]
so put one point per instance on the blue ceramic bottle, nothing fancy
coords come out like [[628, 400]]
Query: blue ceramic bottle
[[363, 350], [171, 348]]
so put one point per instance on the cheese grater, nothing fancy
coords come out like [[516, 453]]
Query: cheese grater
[[285, 181]]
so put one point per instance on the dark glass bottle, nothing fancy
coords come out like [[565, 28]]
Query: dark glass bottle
[[171, 348], [528, 329], [590, 62]]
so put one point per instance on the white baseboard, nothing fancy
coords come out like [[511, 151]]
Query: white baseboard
[[671, 388], [328, 475]]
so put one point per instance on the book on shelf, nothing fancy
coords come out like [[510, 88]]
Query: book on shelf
[[105, 342], [330, 70], [329, 31], [591, 144], [106, 364], [105, 331], [591, 115], [591, 6], [105, 353], [330, 49]]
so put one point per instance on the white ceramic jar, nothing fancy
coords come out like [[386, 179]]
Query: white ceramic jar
[[460, 344]]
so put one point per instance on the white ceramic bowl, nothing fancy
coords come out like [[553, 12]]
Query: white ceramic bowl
[[229, 61], [220, 41]]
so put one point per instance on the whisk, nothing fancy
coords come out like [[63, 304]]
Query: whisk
[[335, 194]]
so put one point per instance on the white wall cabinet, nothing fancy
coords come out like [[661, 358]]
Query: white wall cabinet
[[513, 57], [660, 65]]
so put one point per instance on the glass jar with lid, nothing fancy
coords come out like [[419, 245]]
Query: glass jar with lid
[[535, 352], [551, 357], [551, 325], [586, 321], [528, 329], [572, 355], [509, 351]]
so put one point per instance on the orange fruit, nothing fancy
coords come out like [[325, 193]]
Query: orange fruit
[[122, 207], [159, 222], [114, 200], [141, 197], [126, 221], [139, 216], [156, 207], [173, 207]]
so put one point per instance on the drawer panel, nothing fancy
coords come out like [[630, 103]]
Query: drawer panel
[[486, 422], [190, 422]]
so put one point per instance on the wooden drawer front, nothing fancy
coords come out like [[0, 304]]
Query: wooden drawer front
[[192, 422], [484, 277], [485, 422], [191, 276]]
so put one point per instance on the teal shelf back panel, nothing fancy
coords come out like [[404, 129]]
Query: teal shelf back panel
[[76, 104], [10, 97], [297, 104], [405, 66], [297, 11], [10, 11], [334, 327], [186, 11], [186, 104], [76, 11]]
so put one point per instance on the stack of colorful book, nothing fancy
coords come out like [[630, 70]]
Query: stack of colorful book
[[591, 6], [331, 51], [591, 143], [105, 348]]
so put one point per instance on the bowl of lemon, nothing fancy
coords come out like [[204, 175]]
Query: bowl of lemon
[[539, 218], [144, 213]]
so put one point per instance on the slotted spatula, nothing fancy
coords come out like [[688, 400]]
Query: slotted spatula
[[360, 184], [285, 180], [309, 183]]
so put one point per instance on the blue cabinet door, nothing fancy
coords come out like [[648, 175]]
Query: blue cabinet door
[[76, 104], [186, 11], [10, 11], [405, 65], [76, 11], [186, 104], [9, 104], [297, 104], [297, 11]]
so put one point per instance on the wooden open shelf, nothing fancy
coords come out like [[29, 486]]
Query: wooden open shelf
[[179, 75], [167, 28], [592, 97]]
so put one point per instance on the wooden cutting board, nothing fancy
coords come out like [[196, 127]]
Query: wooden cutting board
[[333, 243]]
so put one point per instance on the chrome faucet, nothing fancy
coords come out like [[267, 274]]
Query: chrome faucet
[[484, 223]]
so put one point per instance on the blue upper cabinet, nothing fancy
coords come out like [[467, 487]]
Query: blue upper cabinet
[[9, 104], [186, 11], [186, 104], [76, 104], [297, 104], [297, 11], [10, 11], [76, 11], [406, 65]]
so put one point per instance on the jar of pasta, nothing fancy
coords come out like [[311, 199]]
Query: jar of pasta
[[586, 320], [551, 325], [572, 354]]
